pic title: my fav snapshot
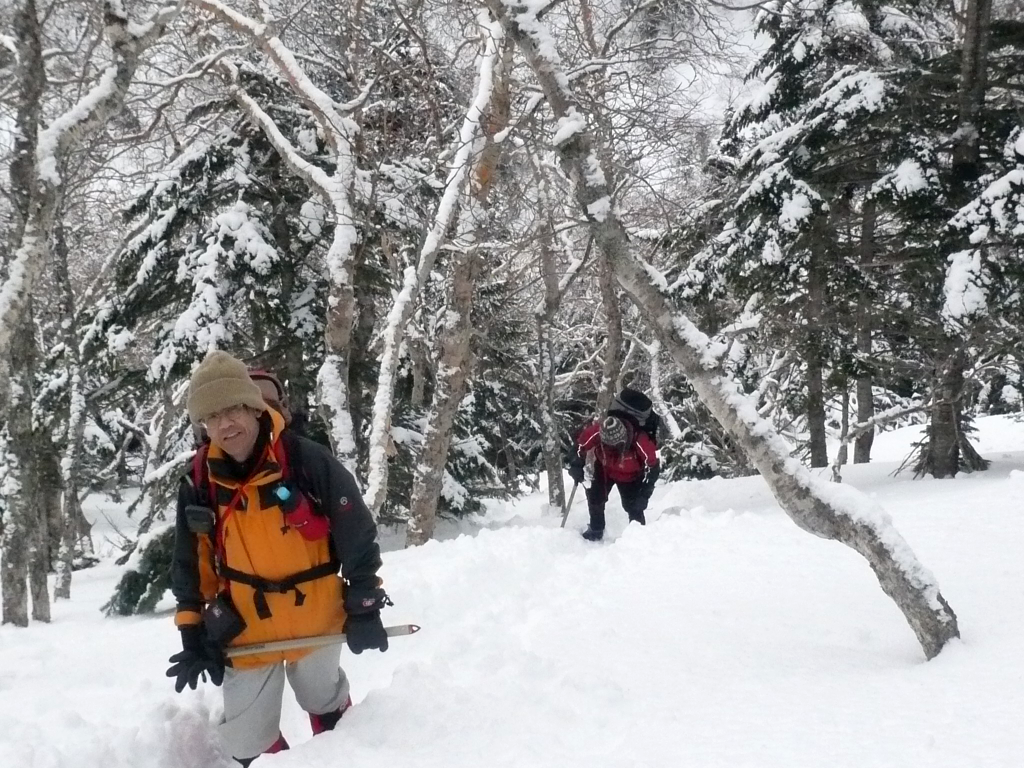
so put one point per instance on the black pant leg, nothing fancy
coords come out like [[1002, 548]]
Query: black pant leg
[[634, 500], [597, 497]]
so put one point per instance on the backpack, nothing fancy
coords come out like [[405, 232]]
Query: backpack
[[651, 427], [637, 407]]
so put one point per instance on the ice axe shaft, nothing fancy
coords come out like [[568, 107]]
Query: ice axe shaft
[[568, 505], [309, 642]]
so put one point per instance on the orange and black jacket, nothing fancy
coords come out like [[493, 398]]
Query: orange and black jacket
[[255, 541]]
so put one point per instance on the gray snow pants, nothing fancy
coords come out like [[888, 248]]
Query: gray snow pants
[[252, 698]]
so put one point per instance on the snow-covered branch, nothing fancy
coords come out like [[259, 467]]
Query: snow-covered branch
[[858, 429]]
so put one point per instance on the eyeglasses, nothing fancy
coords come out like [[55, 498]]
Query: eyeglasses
[[234, 413]]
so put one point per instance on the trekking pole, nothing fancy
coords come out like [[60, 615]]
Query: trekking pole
[[310, 642], [565, 512]]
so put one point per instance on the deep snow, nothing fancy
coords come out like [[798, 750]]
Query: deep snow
[[719, 635]]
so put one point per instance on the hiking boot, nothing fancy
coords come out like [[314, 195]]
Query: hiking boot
[[328, 720], [278, 746], [592, 534]]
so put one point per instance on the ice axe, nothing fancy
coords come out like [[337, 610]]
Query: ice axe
[[568, 505], [309, 642]]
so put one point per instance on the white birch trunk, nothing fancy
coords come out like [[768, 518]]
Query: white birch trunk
[[35, 171], [545, 317], [415, 279], [612, 366], [830, 511], [452, 376], [457, 327], [24, 522]]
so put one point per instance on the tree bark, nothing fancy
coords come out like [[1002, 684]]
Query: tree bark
[[830, 511], [973, 82], [842, 455], [21, 538], [45, 537], [613, 333], [815, 354], [20, 543], [334, 188], [942, 457], [67, 476], [42, 150], [452, 375], [545, 317], [865, 376]]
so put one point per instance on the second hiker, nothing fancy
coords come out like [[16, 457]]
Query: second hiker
[[622, 452]]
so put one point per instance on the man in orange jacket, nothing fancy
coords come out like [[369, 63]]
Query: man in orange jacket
[[265, 522]]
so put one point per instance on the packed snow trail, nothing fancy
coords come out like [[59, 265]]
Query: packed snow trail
[[719, 635]]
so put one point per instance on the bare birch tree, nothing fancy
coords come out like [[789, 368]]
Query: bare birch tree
[[486, 116], [414, 279]]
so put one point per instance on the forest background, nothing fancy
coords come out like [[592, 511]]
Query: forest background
[[455, 230]]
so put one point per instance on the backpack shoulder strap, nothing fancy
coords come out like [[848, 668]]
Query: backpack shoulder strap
[[285, 454], [289, 453], [201, 476]]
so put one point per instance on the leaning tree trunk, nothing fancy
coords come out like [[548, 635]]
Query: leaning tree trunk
[[335, 188], [830, 511]]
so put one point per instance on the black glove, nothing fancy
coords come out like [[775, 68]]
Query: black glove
[[364, 629], [199, 656], [576, 472]]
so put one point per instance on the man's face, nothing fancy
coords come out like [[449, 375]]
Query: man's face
[[269, 392], [234, 430]]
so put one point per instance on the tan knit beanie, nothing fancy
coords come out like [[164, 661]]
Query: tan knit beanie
[[221, 381]]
